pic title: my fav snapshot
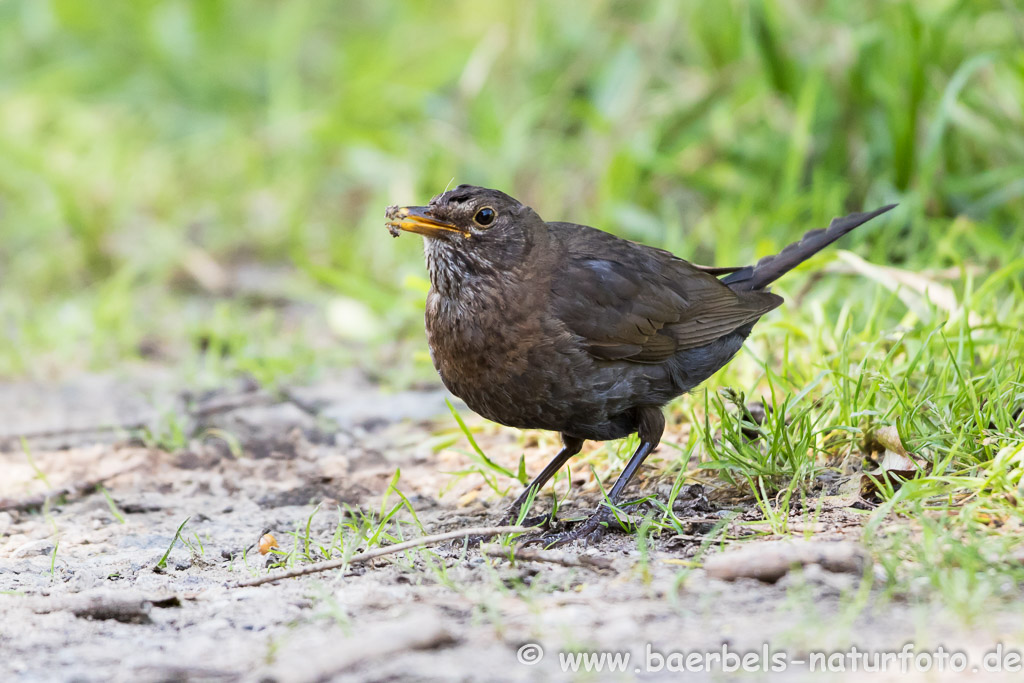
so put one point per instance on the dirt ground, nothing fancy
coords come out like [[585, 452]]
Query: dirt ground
[[80, 599]]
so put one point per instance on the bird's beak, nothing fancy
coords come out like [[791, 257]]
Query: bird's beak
[[416, 219]]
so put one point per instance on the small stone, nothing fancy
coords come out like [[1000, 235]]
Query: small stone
[[43, 546]]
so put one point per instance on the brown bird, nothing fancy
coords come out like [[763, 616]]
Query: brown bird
[[558, 326]]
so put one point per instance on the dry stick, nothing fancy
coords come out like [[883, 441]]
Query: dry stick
[[552, 557], [213, 406], [485, 532], [70, 431], [225, 404], [72, 490], [102, 604], [699, 538]]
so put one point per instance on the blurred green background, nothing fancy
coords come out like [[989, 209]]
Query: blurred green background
[[203, 183]]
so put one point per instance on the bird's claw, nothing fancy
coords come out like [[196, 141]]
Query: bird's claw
[[589, 531]]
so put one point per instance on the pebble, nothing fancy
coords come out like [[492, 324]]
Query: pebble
[[43, 546], [6, 521]]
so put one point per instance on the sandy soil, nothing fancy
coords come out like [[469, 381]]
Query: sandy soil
[[80, 599]]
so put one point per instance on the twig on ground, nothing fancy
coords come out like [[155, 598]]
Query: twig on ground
[[130, 607], [204, 409], [72, 490], [550, 556], [700, 539], [772, 560], [484, 532], [225, 404], [14, 437]]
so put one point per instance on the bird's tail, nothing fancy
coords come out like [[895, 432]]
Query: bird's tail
[[771, 268]]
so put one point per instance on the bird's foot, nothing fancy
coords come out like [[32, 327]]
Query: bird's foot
[[589, 531]]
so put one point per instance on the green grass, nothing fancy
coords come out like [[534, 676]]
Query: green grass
[[162, 562], [276, 133], [142, 143]]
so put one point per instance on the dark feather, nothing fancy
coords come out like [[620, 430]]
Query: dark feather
[[642, 304], [771, 268]]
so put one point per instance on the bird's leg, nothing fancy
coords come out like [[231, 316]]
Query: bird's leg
[[651, 427], [570, 447]]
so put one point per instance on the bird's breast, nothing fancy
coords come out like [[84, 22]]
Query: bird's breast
[[498, 356]]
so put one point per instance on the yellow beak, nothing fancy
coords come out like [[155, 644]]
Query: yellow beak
[[416, 219]]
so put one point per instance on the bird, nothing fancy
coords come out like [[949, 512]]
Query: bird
[[564, 327]]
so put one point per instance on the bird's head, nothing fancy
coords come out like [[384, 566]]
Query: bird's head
[[472, 229]]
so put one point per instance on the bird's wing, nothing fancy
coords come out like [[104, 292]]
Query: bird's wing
[[632, 302]]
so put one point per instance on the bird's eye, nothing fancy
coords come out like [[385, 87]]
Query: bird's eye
[[485, 216]]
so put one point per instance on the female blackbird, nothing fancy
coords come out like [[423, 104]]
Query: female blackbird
[[564, 327]]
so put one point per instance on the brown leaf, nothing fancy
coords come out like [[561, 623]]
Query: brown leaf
[[889, 438], [895, 469]]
